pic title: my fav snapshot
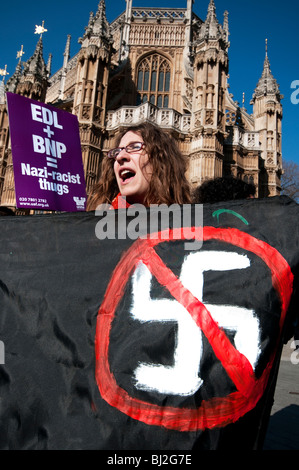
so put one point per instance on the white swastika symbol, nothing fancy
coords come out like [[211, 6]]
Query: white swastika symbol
[[183, 377]]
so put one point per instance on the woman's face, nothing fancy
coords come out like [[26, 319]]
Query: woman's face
[[132, 170]]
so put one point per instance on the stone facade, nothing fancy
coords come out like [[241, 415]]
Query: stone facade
[[168, 66]]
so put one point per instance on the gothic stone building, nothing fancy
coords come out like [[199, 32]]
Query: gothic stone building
[[163, 65]]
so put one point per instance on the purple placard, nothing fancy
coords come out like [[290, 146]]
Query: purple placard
[[47, 159]]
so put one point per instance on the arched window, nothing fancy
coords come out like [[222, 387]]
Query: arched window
[[153, 81]]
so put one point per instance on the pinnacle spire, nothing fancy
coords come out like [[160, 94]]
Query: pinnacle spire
[[225, 25], [12, 83], [101, 19], [49, 64], [211, 29], [212, 25], [67, 47], [33, 79], [98, 24], [267, 84], [2, 92], [36, 65]]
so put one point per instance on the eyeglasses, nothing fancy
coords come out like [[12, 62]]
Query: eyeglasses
[[131, 148]]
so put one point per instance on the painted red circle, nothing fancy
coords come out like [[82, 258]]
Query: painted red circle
[[216, 411]]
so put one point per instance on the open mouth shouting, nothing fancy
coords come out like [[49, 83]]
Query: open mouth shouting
[[126, 175]]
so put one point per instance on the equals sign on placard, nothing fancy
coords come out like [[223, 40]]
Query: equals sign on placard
[[51, 162]]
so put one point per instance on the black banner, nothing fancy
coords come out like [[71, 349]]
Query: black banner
[[156, 343]]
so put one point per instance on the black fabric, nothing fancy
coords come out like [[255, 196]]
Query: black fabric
[[54, 275]]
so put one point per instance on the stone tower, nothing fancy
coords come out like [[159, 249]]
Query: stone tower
[[267, 112], [209, 88], [90, 94]]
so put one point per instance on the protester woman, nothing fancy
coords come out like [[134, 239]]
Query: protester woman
[[145, 167]]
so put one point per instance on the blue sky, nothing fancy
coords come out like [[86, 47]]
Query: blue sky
[[250, 23]]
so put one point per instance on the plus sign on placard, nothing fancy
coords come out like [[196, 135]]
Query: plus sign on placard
[[48, 131]]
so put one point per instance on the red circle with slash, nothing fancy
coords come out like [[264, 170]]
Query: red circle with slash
[[217, 411]]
